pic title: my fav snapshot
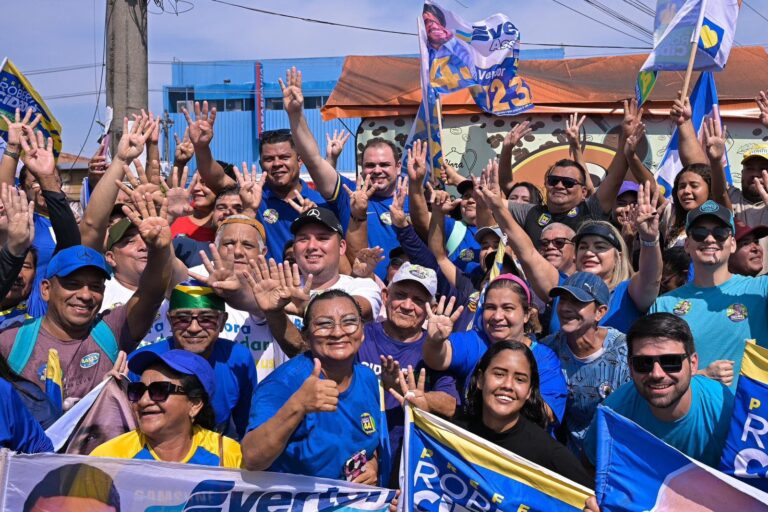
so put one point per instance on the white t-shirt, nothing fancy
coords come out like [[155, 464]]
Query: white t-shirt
[[357, 287], [115, 294]]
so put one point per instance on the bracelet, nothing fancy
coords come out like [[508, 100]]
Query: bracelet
[[358, 219], [650, 243], [12, 154]]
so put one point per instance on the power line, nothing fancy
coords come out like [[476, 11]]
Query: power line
[[619, 17], [600, 22], [754, 10], [637, 4]]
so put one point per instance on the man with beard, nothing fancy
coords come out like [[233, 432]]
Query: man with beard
[[687, 411], [748, 258]]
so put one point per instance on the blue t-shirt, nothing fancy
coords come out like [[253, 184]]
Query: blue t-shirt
[[722, 318], [700, 434], [468, 347], [621, 314], [466, 255], [277, 216], [377, 343], [324, 441], [18, 429], [235, 381], [590, 380], [45, 243], [380, 229]]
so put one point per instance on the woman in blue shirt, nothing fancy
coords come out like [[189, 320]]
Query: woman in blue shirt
[[504, 314], [321, 414]]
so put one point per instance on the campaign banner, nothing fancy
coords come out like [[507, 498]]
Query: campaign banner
[[745, 455], [17, 92], [64, 482], [482, 56], [636, 471], [447, 468]]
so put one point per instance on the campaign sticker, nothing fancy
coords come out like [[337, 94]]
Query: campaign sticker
[[682, 308], [467, 255], [386, 218], [369, 426], [736, 312], [270, 216], [90, 360], [544, 219], [573, 213]]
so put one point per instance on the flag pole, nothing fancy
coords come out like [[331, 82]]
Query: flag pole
[[437, 176], [694, 43]]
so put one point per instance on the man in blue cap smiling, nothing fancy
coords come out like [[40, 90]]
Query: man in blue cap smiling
[[88, 343]]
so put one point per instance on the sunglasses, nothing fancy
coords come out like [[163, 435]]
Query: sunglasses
[[559, 243], [670, 363], [568, 183], [158, 391], [204, 320], [719, 233]]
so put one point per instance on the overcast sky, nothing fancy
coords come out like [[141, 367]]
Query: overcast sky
[[59, 33]]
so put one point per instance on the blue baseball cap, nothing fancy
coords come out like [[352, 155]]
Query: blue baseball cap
[[178, 360], [713, 210], [584, 287], [74, 258]]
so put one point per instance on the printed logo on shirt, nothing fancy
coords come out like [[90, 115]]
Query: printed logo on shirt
[[90, 360], [369, 426], [574, 212], [467, 255], [736, 312], [544, 219], [604, 390], [472, 301], [270, 216], [386, 218], [682, 308], [41, 371]]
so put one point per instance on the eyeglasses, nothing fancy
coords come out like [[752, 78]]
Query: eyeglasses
[[559, 243], [719, 233], [568, 183], [158, 391], [204, 320], [326, 327], [670, 363]]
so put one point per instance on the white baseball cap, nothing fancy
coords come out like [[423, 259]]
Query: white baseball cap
[[426, 277]]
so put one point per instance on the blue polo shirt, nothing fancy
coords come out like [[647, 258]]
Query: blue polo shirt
[[277, 217], [466, 254], [324, 441], [235, 380], [380, 229], [18, 429]]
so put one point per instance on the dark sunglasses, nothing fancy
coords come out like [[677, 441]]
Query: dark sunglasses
[[204, 320], [158, 391], [719, 233], [559, 243], [568, 183], [670, 363]]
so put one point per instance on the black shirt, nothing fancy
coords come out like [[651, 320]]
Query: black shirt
[[534, 218], [531, 442]]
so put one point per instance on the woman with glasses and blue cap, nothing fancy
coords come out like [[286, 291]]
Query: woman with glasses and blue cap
[[172, 403]]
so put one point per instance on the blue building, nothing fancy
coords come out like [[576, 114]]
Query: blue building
[[247, 96]]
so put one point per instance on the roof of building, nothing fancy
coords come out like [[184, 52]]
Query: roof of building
[[594, 85], [68, 161]]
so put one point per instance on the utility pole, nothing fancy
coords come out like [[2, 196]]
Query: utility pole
[[127, 74], [165, 123]]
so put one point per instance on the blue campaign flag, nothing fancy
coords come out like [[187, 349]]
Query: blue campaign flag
[[704, 103], [636, 471], [447, 468]]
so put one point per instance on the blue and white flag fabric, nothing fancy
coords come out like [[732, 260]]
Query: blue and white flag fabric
[[745, 455], [447, 468], [704, 104], [636, 471]]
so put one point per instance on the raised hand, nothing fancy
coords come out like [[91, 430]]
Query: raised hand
[[119, 369], [221, 272], [184, 149], [201, 128], [293, 98], [390, 373], [366, 261], [760, 184], [132, 142], [397, 208], [316, 394], [251, 189], [21, 224], [16, 127], [152, 224], [721, 370], [519, 131], [451, 175], [268, 284], [714, 137], [442, 200], [178, 195], [414, 390], [630, 145], [300, 203], [487, 190], [97, 165], [573, 128], [300, 294], [440, 320], [646, 219], [335, 144], [681, 111], [632, 117], [417, 161], [358, 200], [762, 104], [38, 154], [140, 183]]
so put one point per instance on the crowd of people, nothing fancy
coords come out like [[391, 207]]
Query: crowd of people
[[257, 322]]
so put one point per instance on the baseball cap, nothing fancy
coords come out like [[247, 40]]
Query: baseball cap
[[426, 277], [628, 186], [74, 258], [322, 216], [584, 287], [117, 231], [710, 209], [181, 361], [758, 151], [597, 229], [743, 230], [496, 230], [464, 186]]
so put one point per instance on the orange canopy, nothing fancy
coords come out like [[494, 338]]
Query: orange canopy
[[389, 86]]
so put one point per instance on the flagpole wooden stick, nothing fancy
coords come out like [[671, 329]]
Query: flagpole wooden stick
[[436, 177], [689, 70]]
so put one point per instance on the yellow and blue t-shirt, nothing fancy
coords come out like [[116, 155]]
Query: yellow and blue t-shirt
[[204, 450]]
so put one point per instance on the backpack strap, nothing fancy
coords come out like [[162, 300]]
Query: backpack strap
[[457, 235], [105, 339], [23, 345]]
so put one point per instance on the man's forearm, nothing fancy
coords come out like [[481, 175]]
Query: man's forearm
[[418, 208], [93, 227], [690, 150], [62, 219], [441, 403], [8, 166], [146, 300], [211, 172], [285, 333], [357, 238], [323, 174]]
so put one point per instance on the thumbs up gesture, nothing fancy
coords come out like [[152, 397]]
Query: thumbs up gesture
[[318, 395]]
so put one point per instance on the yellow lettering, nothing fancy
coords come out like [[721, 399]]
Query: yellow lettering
[[441, 74], [451, 467], [499, 91], [473, 484], [426, 453], [497, 498], [521, 88], [523, 508], [754, 403]]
